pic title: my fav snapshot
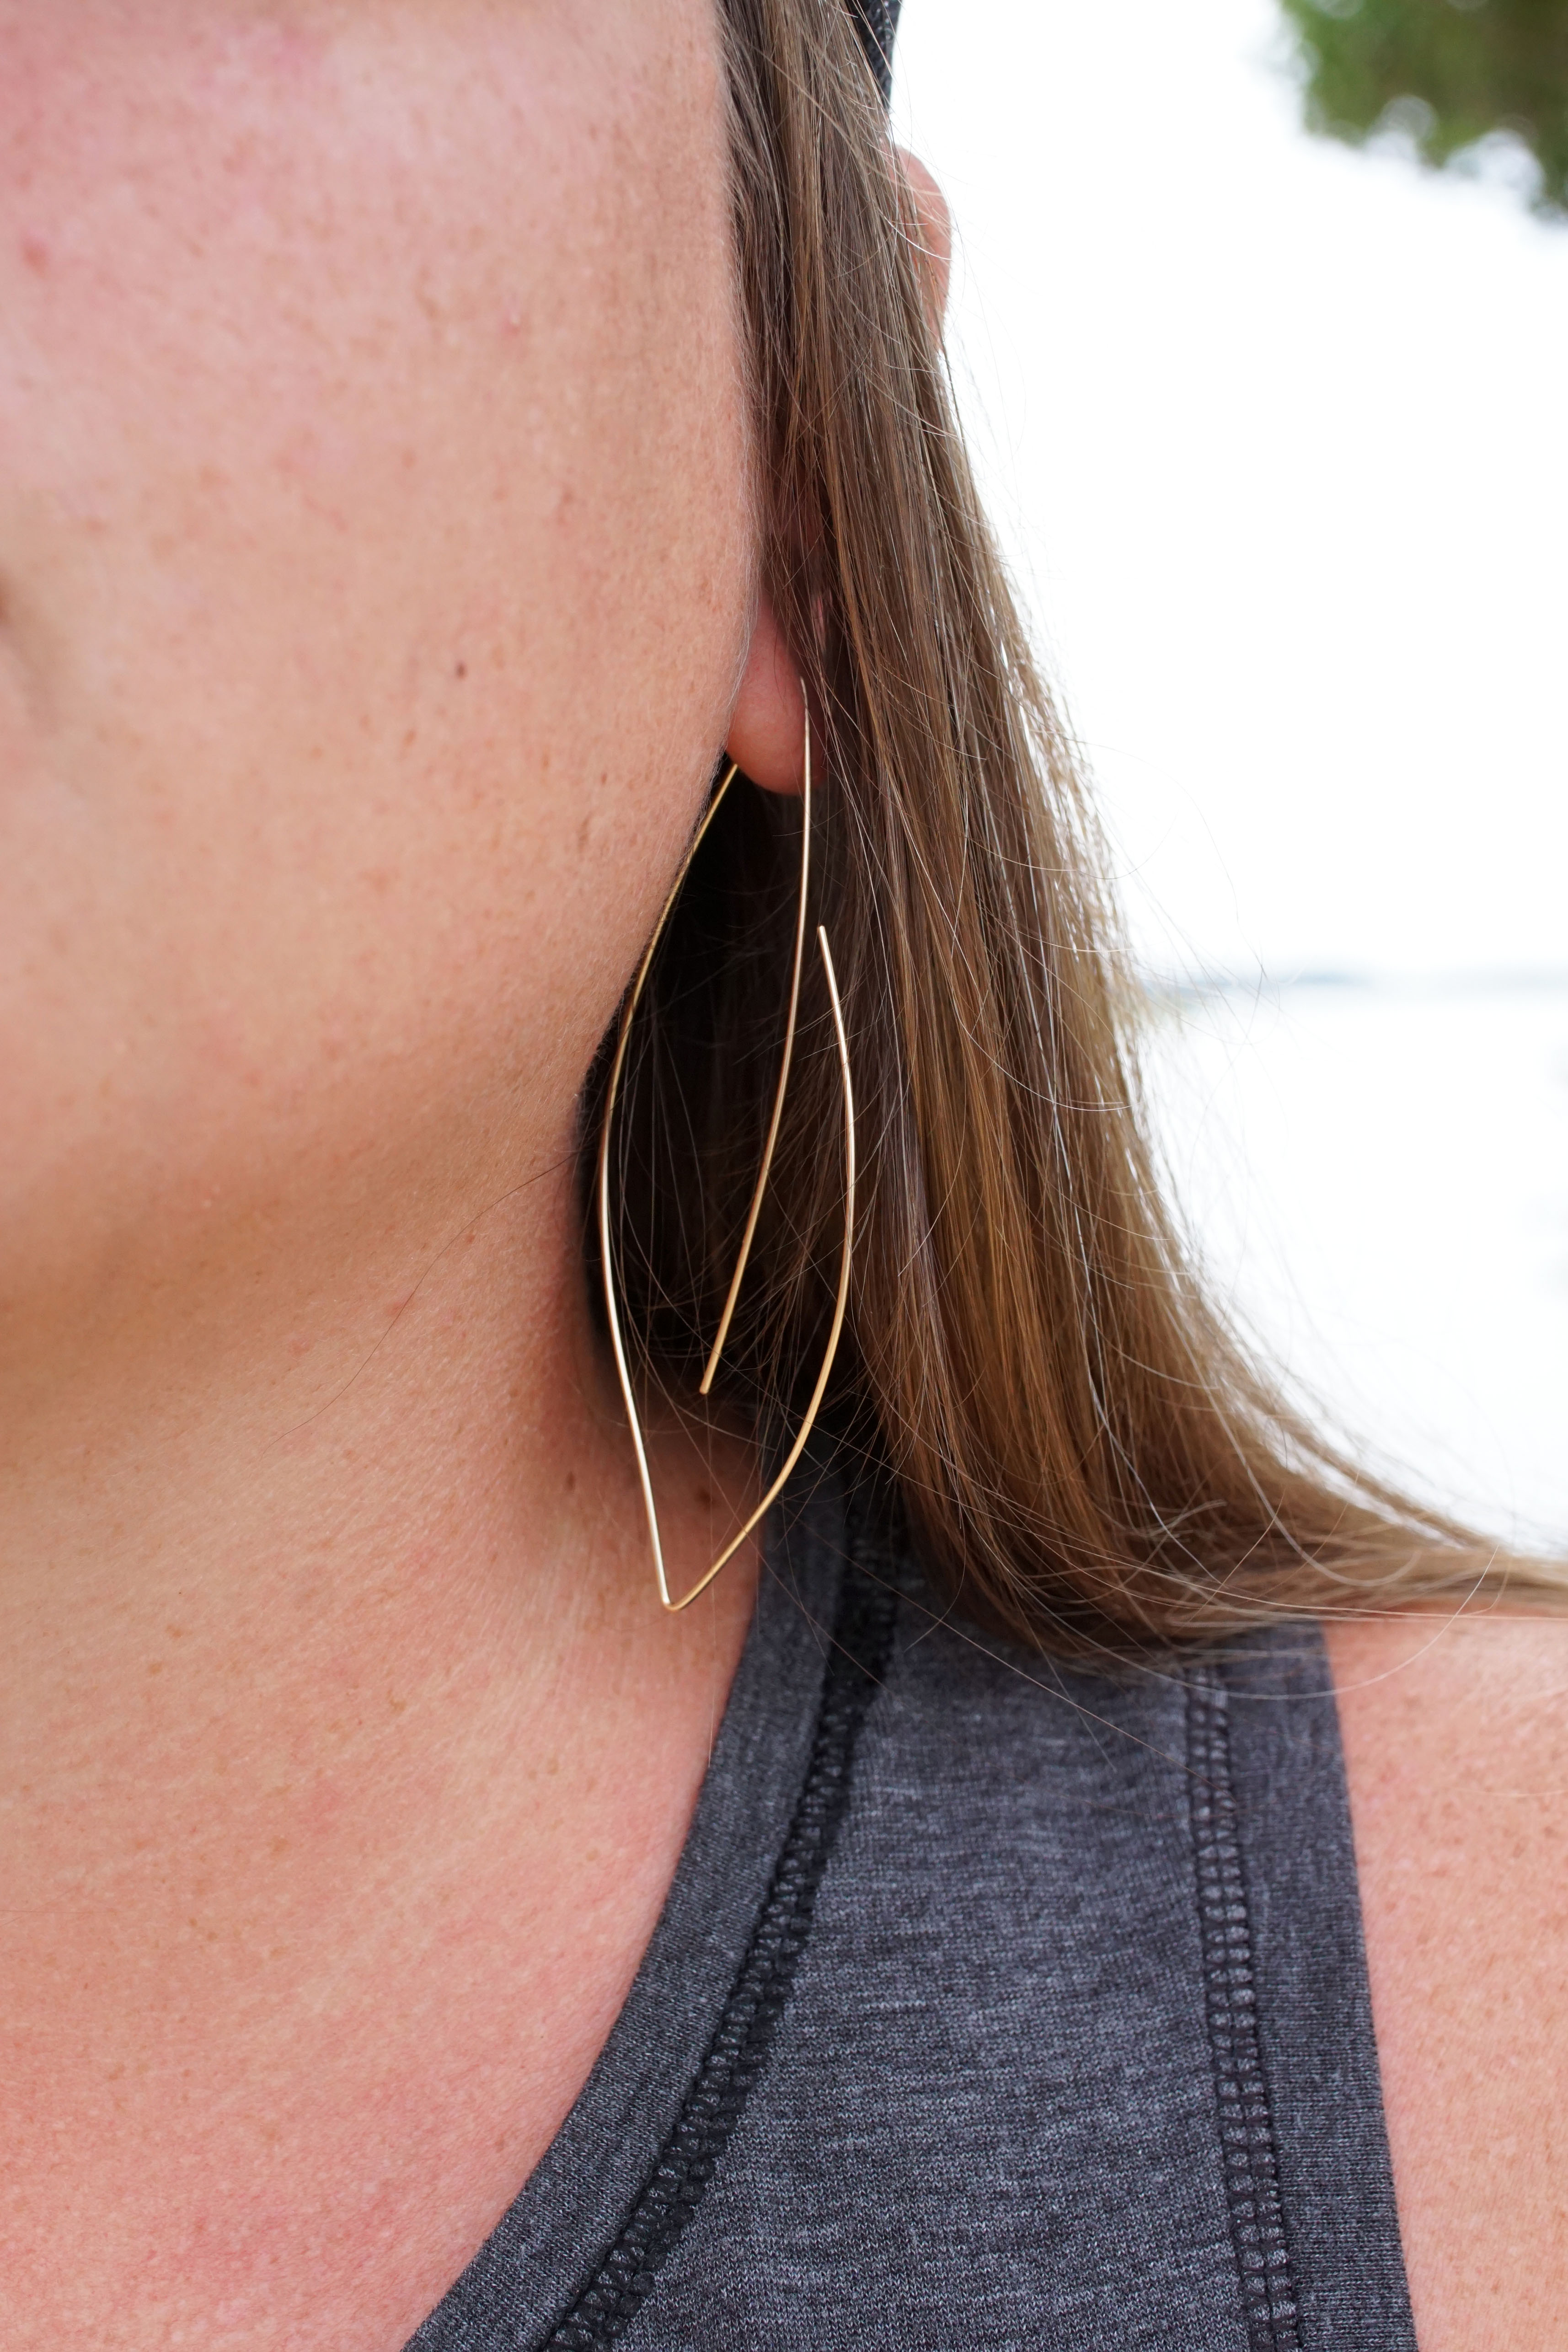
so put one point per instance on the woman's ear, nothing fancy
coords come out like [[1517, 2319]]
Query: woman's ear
[[935, 225], [768, 726]]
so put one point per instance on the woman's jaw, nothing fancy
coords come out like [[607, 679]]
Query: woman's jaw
[[376, 570]]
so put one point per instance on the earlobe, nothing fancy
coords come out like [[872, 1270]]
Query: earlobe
[[935, 225], [768, 726]]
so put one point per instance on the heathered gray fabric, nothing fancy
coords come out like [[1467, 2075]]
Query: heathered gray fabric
[[876, 22], [992, 2116]]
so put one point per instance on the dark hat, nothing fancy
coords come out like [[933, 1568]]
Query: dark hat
[[876, 21]]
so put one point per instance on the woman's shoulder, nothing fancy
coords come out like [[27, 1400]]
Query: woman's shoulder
[[1455, 1731]]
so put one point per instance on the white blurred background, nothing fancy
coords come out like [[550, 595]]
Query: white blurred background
[[1274, 435]]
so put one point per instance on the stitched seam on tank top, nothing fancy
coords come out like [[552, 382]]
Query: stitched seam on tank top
[[743, 2038], [1248, 2151]]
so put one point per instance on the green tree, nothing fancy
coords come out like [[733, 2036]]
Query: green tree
[[1452, 70]]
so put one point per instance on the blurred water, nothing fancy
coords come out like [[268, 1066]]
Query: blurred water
[[1377, 1175]]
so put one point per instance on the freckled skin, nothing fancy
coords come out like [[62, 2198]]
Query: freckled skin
[[1455, 1739], [376, 572], [332, 337]]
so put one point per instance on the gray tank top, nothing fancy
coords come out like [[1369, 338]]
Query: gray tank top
[[993, 2005]]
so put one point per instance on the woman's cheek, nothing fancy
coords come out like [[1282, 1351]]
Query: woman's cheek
[[374, 499]]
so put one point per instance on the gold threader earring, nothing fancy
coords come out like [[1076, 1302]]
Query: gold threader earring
[[606, 1254]]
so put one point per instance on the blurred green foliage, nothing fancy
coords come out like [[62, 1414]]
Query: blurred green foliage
[[1450, 70]]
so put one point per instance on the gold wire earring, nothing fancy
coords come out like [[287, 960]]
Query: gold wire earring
[[612, 1311]]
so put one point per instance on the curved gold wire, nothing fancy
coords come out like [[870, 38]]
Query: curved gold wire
[[841, 1301], [755, 1209]]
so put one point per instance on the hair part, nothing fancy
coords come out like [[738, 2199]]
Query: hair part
[[1088, 1457]]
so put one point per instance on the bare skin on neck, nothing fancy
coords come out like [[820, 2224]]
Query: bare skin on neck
[[346, 1760]]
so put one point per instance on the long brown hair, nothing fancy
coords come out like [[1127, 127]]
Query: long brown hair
[[1087, 1456]]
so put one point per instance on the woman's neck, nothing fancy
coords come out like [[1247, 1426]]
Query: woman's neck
[[345, 1759]]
